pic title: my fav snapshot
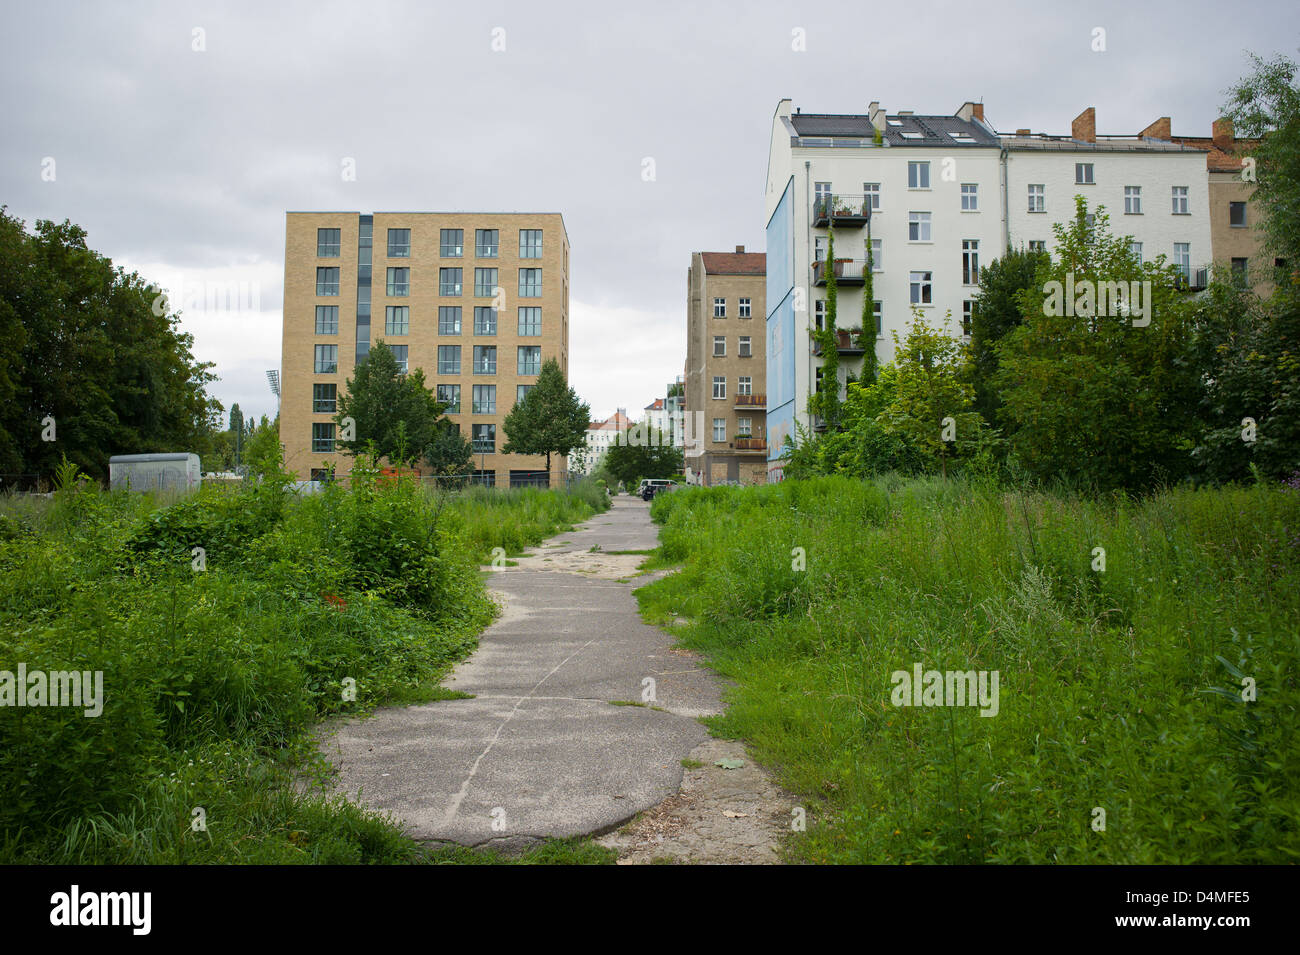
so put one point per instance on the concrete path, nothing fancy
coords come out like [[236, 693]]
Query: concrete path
[[540, 751]]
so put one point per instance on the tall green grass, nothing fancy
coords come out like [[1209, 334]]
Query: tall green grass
[[1120, 690], [215, 678]]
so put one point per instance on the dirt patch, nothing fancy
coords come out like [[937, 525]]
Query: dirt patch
[[588, 563], [720, 816]]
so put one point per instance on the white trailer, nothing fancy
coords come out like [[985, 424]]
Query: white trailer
[[154, 472]]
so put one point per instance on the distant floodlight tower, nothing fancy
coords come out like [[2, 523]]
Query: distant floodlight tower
[[273, 376]]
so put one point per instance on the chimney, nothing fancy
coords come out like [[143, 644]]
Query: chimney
[[970, 111], [1022, 132], [904, 112], [1084, 127], [1223, 135], [876, 115], [977, 109], [1160, 129], [740, 248]]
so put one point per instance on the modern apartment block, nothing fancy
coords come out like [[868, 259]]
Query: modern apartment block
[[933, 198], [476, 300], [726, 368]]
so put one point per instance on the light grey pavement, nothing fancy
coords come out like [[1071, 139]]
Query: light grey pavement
[[540, 751]]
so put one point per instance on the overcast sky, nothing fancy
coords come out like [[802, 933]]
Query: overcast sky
[[181, 163]]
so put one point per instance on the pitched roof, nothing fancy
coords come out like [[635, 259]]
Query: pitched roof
[[735, 263], [1217, 159], [656, 405], [903, 129]]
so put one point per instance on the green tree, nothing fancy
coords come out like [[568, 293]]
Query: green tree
[[825, 399], [392, 413], [642, 452], [996, 311], [450, 452], [1100, 399], [1266, 106], [550, 420]]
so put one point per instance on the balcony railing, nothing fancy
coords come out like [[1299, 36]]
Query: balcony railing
[[846, 211], [751, 444], [847, 271], [751, 402], [846, 343]]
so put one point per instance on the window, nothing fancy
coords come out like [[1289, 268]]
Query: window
[[530, 321], [399, 243], [970, 261], [1083, 174], [485, 478], [485, 399], [745, 308], [719, 346], [322, 438], [449, 359], [327, 281], [967, 313], [449, 395], [485, 283], [530, 359], [921, 288], [327, 319], [871, 192], [449, 281], [744, 385], [521, 392], [530, 243], [486, 243], [397, 320], [1038, 245], [451, 243], [399, 352], [821, 193], [746, 349], [324, 398], [1132, 200], [1136, 249], [399, 282], [819, 248], [918, 227], [1180, 200], [819, 312], [1239, 272], [878, 312], [485, 359], [719, 386], [877, 255], [327, 359], [530, 283], [1183, 259], [327, 243], [918, 175], [970, 197], [743, 428], [485, 320], [485, 438], [719, 429], [448, 319], [719, 308], [1237, 214], [1037, 197]]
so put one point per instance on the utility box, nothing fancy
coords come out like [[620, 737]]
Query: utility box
[[154, 472]]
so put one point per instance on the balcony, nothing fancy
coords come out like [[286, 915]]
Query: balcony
[[846, 343], [751, 444], [845, 211], [751, 402], [847, 271]]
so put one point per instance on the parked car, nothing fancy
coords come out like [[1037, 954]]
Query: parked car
[[652, 487]]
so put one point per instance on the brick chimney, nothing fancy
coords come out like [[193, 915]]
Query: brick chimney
[[1160, 129], [978, 111], [1084, 127], [1221, 131], [1022, 132], [740, 248]]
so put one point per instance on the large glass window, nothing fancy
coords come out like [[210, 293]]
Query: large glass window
[[918, 175], [719, 386], [399, 243], [485, 399], [1037, 197], [970, 197], [485, 438], [485, 320], [448, 319], [449, 359], [485, 282], [521, 392], [921, 288], [327, 281], [1132, 200], [449, 395], [397, 320], [327, 319], [530, 321], [324, 398], [918, 226], [530, 243], [322, 437], [328, 243], [449, 281], [399, 282], [1183, 259], [530, 359], [530, 283], [970, 262], [451, 243], [485, 359], [487, 243], [1180, 200], [327, 359]]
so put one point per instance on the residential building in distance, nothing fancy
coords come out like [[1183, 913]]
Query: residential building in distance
[[478, 300], [665, 414], [1235, 236], [726, 368], [933, 198], [601, 436]]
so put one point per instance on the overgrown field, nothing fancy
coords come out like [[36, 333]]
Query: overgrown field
[[217, 663], [1120, 689]]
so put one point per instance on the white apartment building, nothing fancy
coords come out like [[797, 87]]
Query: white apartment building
[[935, 198]]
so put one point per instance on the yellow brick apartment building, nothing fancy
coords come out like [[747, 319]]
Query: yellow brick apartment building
[[478, 300]]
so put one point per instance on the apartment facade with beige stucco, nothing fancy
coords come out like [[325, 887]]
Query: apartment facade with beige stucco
[[477, 300]]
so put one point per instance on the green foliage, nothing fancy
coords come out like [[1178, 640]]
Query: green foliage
[[550, 420], [94, 348], [396, 415], [825, 400], [997, 310], [641, 452], [1119, 689]]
